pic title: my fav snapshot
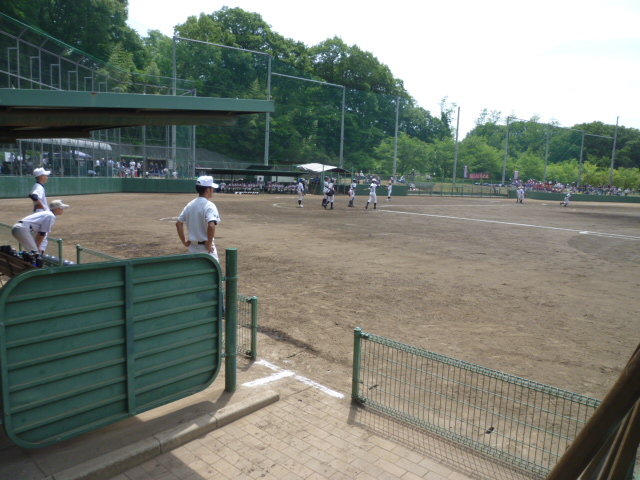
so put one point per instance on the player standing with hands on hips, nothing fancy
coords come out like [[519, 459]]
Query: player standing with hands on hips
[[201, 217], [38, 195]]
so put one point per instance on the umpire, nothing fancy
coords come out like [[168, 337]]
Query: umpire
[[201, 217]]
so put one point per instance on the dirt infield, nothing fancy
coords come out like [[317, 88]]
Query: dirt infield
[[536, 290]]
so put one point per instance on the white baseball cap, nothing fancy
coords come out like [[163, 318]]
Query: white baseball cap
[[206, 181], [40, 171], [57, 204]]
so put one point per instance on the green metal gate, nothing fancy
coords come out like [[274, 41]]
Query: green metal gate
[[85, 346]]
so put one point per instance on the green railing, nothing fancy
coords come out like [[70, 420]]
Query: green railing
[[516, 420], [86, 255]]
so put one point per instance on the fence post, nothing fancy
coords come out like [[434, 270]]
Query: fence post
[[254, 327], [60, 257], [355, 378], [79, 254], [231, 320]]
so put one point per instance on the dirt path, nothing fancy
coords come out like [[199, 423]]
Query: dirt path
[[519, 288]]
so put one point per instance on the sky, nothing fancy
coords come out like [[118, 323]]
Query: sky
[[565, 61]]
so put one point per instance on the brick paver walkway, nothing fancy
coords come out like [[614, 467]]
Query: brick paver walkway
[[309, 434]]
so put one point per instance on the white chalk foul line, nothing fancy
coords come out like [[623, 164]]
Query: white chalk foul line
[[582, 232], [281, 373], [269, 379]]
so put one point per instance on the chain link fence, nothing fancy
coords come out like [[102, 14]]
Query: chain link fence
[[518, 421]]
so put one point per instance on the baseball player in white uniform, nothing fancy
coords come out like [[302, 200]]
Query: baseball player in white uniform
[[520, 194], [567, 199], [38, 195], [201, 217], [33, 229], [331, 193], [373, 197], [352, 193], [325, 198], [300, 190], [390, 188]]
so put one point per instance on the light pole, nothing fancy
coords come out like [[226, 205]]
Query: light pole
[[506, 153], [395, 147], [455, 155]]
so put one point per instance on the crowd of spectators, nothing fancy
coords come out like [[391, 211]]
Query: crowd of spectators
[[242, 187], [557, 187]]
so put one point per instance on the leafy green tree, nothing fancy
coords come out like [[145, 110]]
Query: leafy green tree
[[593, 175], [626, 157], [488, 128], [412, 154], [530, 166], [566, 172], [439, 161], [627, 178], [479, 157]]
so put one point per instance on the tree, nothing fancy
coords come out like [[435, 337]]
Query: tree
[[566, 172], [479, 157], [412, 154], [530, 166], [439, 159], [627, 178], [593, 175]]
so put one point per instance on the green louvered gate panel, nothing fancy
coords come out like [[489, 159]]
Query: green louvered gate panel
[[85, 346]]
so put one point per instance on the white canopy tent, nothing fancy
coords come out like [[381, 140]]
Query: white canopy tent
[[319, 168]]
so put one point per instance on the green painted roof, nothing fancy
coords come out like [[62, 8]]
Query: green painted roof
[[26, 114]]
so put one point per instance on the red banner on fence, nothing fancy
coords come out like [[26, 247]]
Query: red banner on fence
[[479, 175]]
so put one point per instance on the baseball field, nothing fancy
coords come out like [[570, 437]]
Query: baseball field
[[546, 292]]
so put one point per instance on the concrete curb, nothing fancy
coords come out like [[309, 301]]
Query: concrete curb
[[118, 461]]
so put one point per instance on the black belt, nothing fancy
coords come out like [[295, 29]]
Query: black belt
[[201, 243]]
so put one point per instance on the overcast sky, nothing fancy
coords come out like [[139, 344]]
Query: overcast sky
[[571, 61]]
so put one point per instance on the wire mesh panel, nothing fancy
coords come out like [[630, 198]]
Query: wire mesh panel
[[247, 326], [519, 421]]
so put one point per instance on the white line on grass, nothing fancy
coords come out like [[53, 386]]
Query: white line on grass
[[582, 232], [281, 373]]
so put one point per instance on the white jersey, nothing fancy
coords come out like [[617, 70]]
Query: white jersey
[[38, 193], [36, 224], [300, 188], [373, 197], [40, 222], [197, 215]]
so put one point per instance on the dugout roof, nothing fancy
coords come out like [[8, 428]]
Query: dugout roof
[[266, 170], [34, 114]]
